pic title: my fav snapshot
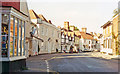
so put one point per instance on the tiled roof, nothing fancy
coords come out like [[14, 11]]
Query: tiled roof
[[77, 32], [86, 36], [106, 24], [13, 3], [66, 30], [33, 15]]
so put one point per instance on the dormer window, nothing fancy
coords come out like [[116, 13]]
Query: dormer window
[[39, 21]]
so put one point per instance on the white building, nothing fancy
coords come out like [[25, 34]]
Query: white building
[[87, 41]]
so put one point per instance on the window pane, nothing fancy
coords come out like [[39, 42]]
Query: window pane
[[4, 35], [19, 37], [23, 38], [15, 46], [11, 36]]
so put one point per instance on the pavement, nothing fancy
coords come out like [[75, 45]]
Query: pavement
[[76, 62], [105, 56]]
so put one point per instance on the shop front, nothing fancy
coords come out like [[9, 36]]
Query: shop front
[[12, 39]]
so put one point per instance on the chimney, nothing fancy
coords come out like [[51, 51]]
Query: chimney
[[98, 34], [66, 25], [84, 30], [72, 28]]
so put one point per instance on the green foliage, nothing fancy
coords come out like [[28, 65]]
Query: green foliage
[[117, 44], [76, 29]]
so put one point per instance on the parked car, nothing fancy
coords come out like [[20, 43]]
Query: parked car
[[87, 49]]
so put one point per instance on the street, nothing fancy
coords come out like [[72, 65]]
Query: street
[[76, 62]]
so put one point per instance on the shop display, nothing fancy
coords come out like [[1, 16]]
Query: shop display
[[4, 40]]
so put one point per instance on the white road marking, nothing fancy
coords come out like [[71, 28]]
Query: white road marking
[[47, 65]]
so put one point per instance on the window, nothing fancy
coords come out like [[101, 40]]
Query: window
[[11, 36], [89, 47], [53, 47], [84, 46], [84, 41], [92, 42], [96, 41], [92, 46], [15, 37], [110, 28], [110, 43], [95, 46], [42, 30], [22, 38], [19, 37], [89, 42], [4, 35], [104, 44]]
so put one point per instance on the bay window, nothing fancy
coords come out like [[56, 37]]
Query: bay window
[[12, 35]]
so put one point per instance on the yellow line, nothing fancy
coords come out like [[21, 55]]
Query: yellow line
[[68, 57]]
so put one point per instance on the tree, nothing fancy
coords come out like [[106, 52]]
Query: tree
[[76, 29]]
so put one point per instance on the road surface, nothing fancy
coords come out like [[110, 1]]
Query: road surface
[[77, 62]]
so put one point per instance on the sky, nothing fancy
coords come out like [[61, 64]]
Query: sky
[[91, 14]]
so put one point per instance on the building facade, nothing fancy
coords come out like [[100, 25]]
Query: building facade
[[111, 36], [70, 34], [49, 33], [67, 40], [87, 41]]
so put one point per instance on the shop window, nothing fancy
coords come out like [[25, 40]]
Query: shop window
[[19, 37], [15, 44], [11, 36], [4, 35], [22, 38]]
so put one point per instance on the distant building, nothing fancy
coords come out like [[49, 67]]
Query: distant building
[[67, 38], [98, 37], [87, 41]]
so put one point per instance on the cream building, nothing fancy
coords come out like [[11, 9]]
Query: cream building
[[111, 35], [48, 32]]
